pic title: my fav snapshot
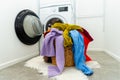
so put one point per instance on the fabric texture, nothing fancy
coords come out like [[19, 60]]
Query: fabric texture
[[37, 63], [78, 51], [48, 49], [46, 32], [87, 40], [66, 28], [85, 32]]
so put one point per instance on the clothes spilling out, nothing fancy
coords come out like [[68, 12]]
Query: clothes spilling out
[[61, 36]]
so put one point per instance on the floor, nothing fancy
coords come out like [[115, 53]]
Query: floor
[[110, 70]]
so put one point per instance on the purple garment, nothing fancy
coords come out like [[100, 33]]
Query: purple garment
[[49, 50]]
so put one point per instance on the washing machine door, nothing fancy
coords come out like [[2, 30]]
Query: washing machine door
[[28, 27]]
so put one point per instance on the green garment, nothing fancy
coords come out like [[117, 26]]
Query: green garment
[[66, 28]]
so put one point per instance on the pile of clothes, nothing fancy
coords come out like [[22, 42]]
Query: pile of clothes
[[65, 35]]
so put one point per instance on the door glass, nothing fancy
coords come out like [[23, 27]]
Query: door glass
[[32, 26]]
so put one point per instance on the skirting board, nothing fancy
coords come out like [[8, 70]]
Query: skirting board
[[12, 62], [106, 51], [113, 55], [95, 49]]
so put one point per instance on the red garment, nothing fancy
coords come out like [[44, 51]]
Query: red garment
[[87, 39], [46, 32], [85, 32]]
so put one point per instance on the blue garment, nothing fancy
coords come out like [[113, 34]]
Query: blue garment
[[78, 51]]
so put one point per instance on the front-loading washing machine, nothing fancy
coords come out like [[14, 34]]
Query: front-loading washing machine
[[56, 13], [51, 13], [59, 13]]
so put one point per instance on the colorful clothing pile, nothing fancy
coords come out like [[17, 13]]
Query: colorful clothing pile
[[66, 35], [66, 28]]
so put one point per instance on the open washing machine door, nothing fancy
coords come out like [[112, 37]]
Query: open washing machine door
[[28, 27]]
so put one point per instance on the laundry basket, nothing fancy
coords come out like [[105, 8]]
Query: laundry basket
[[69, 61]]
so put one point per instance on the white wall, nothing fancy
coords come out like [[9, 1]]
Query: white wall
[[90, 15], [101, 19], [11, 49], [95, 27], [112, 27], [89, 8]]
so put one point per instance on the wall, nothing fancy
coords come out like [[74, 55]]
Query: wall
[[95, 27], [11, 49], [90, 15], [112, 28]]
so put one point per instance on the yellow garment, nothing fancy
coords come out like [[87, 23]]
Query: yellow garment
[[66, 28]]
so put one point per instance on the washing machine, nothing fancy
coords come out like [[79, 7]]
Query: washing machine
[[52, 11]]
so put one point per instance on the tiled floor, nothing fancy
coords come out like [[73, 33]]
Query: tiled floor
[[110, 70]]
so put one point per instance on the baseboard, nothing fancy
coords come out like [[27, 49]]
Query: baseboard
[[95, 49], [12, 62], [106, 51], [113, 55]]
